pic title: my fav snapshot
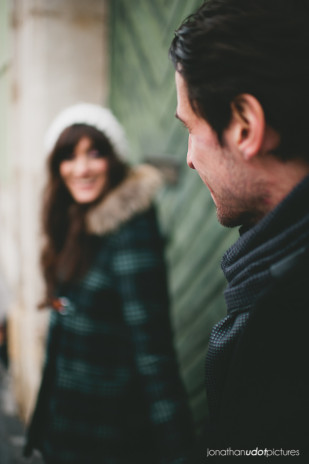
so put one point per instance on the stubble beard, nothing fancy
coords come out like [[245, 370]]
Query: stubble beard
[[244, 219], [240, 212]]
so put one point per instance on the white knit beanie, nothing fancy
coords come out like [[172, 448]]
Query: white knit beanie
[[92, 115]]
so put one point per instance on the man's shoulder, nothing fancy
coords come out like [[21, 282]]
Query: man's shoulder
[[289, 289], [275, 336], [268, 382]]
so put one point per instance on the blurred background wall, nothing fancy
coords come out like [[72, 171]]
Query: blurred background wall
[[53, 53], [114, 52]]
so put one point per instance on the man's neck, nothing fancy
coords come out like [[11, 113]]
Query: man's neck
[[281, 177]]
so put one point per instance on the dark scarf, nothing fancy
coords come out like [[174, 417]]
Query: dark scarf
[[249, 267]]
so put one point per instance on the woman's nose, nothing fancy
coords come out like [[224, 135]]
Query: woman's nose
[[81, 165]]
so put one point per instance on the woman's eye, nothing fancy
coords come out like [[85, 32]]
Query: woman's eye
[[95, 154], [68, 157]]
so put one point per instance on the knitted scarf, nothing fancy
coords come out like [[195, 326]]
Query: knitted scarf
[[249, 266]]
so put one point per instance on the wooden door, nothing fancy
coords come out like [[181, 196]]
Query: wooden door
[[143, 96]]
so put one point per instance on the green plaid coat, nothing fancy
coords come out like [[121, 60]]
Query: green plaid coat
[[111, 391]]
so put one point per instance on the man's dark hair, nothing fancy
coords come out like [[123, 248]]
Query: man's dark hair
[[260, 47]]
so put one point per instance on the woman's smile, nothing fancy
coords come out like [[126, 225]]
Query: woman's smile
[[84, 172]]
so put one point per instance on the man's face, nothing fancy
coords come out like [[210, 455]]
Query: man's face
[[221, 168]]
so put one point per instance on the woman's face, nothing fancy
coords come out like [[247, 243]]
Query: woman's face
[[84, 172]]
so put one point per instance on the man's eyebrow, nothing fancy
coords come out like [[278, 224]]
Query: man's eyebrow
[[177, 116]]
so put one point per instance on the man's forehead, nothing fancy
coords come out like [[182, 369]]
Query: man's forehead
[[184, 110], [182, 95]]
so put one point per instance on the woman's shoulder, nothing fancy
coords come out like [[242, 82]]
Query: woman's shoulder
[[128, 205]]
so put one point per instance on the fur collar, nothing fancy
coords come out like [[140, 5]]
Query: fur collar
[[134, 195]]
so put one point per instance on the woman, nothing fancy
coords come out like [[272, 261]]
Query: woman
[[110, 390]]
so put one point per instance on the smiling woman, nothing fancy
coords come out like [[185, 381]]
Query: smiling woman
[[84, 172], [110, 389], [87, 149]]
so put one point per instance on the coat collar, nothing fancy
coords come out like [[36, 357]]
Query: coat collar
[[133, 196]]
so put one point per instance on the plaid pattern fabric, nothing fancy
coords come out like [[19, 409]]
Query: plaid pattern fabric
[[111, 392]]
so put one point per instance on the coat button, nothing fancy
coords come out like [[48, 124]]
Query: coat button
[[62, 305]]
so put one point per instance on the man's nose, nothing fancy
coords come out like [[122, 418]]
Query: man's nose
[[189, 162], [189, 155]]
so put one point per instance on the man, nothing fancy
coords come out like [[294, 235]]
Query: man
[[242, 79]]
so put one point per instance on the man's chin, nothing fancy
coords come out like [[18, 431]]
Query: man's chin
[[227, 221], [231, 219]]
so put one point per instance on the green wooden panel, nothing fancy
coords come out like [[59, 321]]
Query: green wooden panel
[[143, 96]]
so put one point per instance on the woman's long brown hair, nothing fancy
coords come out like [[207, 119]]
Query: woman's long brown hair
[[68, 249]]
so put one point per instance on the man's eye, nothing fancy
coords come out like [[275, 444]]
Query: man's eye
[[184, 126]]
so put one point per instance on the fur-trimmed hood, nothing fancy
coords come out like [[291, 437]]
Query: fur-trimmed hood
[[133, 196]]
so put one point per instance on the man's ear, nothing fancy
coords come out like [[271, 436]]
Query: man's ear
[[247, 126]]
